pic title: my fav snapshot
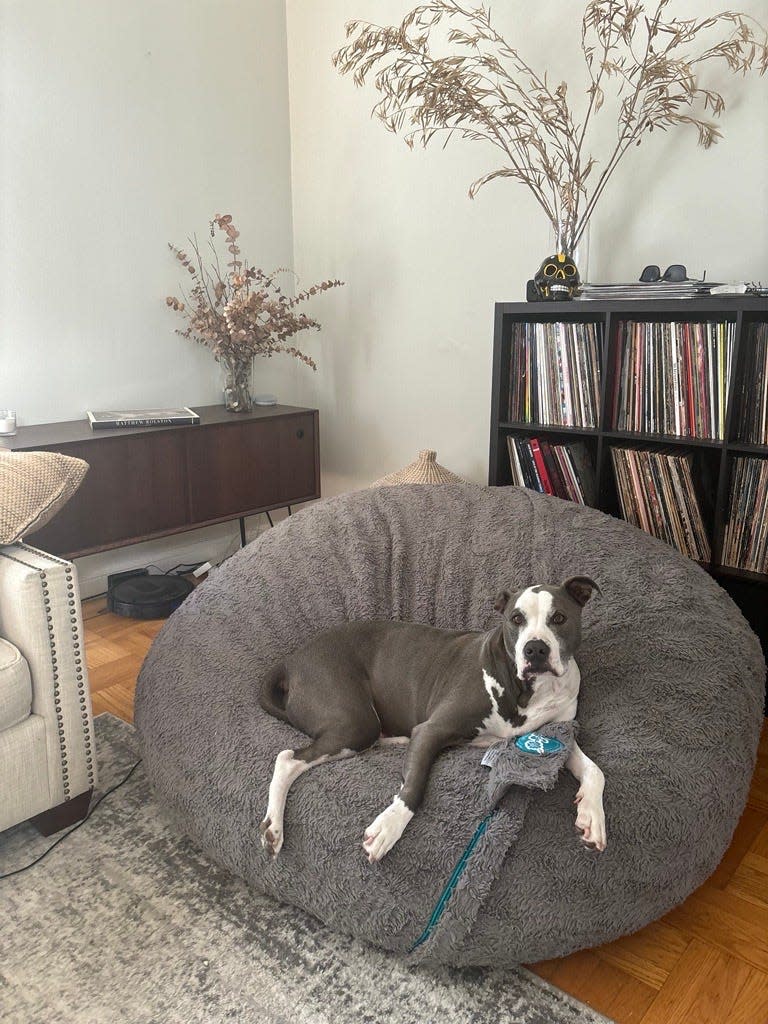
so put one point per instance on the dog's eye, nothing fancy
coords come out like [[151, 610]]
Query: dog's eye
[[557, 619], [518, 619]]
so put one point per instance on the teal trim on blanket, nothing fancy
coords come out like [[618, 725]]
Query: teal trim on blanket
[[458, 871]]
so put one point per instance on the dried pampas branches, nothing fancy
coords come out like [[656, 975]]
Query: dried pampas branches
[[484, 89]]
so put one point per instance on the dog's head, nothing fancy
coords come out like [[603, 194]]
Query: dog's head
[[542, 625]]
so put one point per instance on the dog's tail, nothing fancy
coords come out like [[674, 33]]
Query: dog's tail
[[274, 692]]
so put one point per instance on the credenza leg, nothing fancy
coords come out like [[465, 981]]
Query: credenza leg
[[269, 517], [242, 531]]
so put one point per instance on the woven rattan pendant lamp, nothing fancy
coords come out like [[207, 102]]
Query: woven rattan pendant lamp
[[424, 470]]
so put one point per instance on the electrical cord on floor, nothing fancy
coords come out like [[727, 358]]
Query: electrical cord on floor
[[89, 815], [182, 569]]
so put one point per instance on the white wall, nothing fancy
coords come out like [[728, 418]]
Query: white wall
[[406, 350], [126, 126]]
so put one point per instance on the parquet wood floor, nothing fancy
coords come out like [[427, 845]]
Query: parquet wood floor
[[706, 962]]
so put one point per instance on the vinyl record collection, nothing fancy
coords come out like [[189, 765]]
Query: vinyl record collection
[[656, 493], [554, 374], [672, 378], [753, 421], [629, 413], [564, 470], [745, 545]]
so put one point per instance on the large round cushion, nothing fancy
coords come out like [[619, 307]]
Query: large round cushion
[[670, 708]]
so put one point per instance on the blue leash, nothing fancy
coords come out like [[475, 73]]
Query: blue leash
[[458, 871]]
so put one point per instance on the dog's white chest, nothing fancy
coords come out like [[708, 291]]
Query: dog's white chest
[[554, 699]]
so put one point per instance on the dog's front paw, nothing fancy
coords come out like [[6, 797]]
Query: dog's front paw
[[590, 821], [271, 837], [384, 831]]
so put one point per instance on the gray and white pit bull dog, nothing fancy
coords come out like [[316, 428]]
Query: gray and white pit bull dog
[[369, 682]]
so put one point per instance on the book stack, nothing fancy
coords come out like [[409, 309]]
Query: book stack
[[564, 470], [645, 290], [656, 493], [554, 374], [745, 545], [753, 421], [672, 378]]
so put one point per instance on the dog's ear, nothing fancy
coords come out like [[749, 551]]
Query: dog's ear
[[581, 588], [501, 600]]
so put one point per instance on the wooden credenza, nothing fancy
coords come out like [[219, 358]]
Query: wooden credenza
[[147, 482]]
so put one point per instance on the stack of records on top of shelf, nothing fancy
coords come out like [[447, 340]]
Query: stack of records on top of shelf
[[554, 374], [564, 470], [656, 493], [657, 290], [745, 545], [753, 421], [672, 378]]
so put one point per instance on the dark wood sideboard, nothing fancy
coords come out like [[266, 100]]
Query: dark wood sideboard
[[147, 482]]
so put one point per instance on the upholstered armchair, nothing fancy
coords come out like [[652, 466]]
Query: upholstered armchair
[[47, 756]]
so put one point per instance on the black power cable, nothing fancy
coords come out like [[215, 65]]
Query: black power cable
[[18, 871]]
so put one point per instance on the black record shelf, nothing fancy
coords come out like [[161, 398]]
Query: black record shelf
[[713, 486]]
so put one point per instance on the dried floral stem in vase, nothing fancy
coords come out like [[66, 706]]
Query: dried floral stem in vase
[[242, 311]]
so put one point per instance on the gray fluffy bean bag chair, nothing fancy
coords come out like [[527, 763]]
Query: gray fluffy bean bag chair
[[670, 708]]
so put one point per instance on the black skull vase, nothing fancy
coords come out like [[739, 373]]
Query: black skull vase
[[556, 280]]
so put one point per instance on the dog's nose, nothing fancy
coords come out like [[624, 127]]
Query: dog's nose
[[536, 651]]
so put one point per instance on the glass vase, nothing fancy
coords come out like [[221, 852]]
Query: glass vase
[[237, 383], [580, 254]]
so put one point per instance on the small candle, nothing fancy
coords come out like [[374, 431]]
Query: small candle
[[7, 421]]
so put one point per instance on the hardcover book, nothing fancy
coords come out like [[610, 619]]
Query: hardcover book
[[112, 419], [564, 470]]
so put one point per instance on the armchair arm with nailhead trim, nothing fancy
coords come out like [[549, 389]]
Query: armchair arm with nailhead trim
[[47, 756]]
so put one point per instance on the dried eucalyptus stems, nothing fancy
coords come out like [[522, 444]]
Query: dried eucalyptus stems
[[240, 312], [484, 89]]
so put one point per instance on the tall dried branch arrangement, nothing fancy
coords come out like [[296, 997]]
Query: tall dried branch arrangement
[[484, 89], [242, 311]]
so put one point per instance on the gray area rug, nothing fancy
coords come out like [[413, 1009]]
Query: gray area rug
[[126, 921]]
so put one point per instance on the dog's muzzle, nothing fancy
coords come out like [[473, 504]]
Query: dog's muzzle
[[536, 653]]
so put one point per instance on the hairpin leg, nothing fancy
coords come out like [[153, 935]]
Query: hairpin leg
[[242, 531], [269, 517]]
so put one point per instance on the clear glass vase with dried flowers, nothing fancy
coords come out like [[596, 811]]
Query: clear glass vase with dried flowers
[[240, 312], [236, 384], [445, 71]]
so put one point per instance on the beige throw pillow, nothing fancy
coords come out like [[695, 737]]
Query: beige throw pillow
[[33, 487]]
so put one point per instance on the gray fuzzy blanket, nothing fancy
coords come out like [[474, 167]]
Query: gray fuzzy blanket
[[666, 709], [514, 774]]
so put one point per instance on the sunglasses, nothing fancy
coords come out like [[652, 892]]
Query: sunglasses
[[676, 272]]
